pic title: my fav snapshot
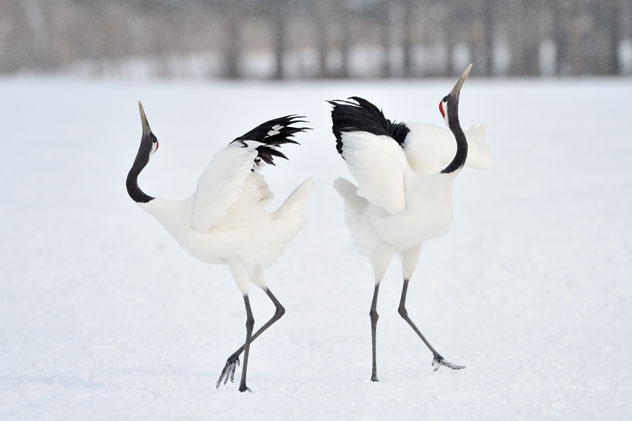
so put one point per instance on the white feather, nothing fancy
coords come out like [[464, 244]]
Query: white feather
[[428, 213], [478, 154], [380, 168], [221, 184], [402, 198], [225, 220], [247, 236], [429, 149]]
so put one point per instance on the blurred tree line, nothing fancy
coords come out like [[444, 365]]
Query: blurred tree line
[[317, 38]]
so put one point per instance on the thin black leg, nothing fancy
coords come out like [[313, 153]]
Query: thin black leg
[[437, 360], [374, 318], [250, 322], [233, 361]]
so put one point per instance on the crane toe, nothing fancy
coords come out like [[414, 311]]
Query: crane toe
[[438, 361], [228, 372]]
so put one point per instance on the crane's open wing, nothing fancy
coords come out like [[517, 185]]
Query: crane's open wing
[[429, 149], [379, 166], [371, 146], [478, 155], [222, 183]]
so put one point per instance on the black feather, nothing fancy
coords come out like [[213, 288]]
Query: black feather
[[282, 135], [359, 115]]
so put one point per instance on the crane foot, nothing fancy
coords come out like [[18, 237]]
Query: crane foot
[[228, 372], [438, 361]]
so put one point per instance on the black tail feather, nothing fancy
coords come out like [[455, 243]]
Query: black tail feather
[[273, 134], [359, 115]]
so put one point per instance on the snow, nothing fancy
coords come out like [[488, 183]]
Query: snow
[[103, 316]]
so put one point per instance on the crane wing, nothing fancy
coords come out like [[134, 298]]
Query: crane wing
[[223, 182], [379, 166], [478, 154], [429, 149], [370, 143]]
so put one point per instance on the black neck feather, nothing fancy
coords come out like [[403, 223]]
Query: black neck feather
[[132, 177], [461, 142]]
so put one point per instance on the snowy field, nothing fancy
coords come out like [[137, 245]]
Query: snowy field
[[103, 316]]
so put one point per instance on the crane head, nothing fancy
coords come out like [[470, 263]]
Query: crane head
[[148, 141], [449, 105]]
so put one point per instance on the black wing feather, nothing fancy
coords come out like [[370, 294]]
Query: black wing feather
[[359, 115], [273, 134]]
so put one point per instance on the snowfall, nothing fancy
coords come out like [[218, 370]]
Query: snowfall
[[104, 316]]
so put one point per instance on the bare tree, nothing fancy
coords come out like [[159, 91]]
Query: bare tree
[[611, 17], [560, 35], [344, 22], [488, 22], [322, 16], [407, 38], [279, 19]]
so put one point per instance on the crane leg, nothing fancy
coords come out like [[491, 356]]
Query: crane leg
[[250, 322], [437, 360], [228, 372], [374, 318]]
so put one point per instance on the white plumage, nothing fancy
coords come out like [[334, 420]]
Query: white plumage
[[225, 220], [407, 200], [404, 175], [379, 166], [429, 148]]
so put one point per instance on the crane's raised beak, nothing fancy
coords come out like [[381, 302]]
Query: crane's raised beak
[[457, 88], [143, 120]]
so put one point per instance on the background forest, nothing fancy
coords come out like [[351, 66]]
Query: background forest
[[315, 39]]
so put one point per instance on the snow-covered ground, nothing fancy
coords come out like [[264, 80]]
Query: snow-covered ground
[[103, 316]]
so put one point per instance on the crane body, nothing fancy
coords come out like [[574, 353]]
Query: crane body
[[405, 173], [225, 221]]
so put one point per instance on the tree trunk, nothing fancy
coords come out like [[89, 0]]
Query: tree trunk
[[232, 47], [615, 33], [387, 40], [345, 41], [322, 30], [279, 43], [560, 38], [488, 36], [407, 65]]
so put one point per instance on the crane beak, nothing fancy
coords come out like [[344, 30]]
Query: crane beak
[[457, 88], [143, 119]]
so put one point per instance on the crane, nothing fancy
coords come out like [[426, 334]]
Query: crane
[[403, 197], [224, 221]]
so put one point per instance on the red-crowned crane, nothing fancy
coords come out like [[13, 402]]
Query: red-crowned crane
[[405, 174], [224, 221]]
